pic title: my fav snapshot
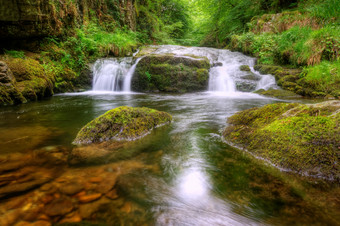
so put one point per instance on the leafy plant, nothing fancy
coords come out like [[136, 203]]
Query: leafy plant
[[15, 53]]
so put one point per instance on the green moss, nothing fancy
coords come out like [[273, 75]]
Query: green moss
[[278, 93], [303, 138], [169, 73], [122, 123], [244, 68]]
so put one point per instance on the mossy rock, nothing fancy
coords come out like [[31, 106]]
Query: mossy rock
[[32, 80], [252, 77], [170, 73], [278, 93], [244, 68], [122, 124], [302, 138], [9, 94]]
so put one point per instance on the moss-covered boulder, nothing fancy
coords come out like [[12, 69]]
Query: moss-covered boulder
[[292, 79], [299, 137], [9, 94], [171, 73], [244, 68], [278, 93], [122, 124], [33, 81]]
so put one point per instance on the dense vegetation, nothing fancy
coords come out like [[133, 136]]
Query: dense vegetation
[[299, 34]]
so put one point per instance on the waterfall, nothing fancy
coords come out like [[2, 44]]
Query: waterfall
[[113, 74], [225, 75], [128, 77]]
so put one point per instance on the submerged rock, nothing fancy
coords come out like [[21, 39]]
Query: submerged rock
[[278, 93], [171, 73], [122, 124], [302, 138]]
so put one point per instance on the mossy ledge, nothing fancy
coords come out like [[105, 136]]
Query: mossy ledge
[[122, 124], [302, 138], [171, 73]]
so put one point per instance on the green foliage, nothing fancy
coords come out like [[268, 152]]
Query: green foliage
[[15, 54], [163, 21], [148, 76], [324, 77], [325, 10], [296, 46]]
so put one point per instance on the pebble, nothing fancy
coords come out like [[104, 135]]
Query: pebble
[[89, 198]]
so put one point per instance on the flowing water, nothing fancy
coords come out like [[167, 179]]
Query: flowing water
[[190, 176]]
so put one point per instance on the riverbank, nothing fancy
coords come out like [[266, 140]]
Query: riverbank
[[296, 137], [301, 43]]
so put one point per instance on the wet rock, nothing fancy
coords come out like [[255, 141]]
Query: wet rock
[[251, 76], [245, 86], [71, 218], [9, 94], [71, 188], [302, 138], [218, 64], [88, 154], [244, 68], [107, 184], [122, 123], [59, 207], [10, 217], [87, 210], [35, 181], [278, 93], [170, 73], [89, 198], [112, 194], [36, 223]]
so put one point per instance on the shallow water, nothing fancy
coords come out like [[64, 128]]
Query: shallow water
[[192, 177]]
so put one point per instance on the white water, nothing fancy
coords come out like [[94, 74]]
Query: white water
[[225, 75], [128, 77]]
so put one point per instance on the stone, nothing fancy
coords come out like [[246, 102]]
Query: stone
[[16, 188], [122, 124], [251, 76], [171, 73], [88, 209], [244, 68], [112, 194], [9, 94], [278, 93], [218, 64], [89, 198], [302, 138], [107, 184], [59, 207], [71, 188], [71, 218]]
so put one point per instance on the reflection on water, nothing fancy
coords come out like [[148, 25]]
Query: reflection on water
[[185, 175]]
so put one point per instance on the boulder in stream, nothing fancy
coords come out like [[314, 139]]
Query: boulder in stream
[[171, 73], [299, 137], [122, 124]]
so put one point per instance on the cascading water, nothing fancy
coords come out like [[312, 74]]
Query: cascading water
[[113, 74], [225, 74]]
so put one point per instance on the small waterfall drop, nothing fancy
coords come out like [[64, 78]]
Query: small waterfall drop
[[128, 77], [113, 74]]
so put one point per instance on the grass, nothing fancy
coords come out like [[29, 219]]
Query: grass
[[15, 54]]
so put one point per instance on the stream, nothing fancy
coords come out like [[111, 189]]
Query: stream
[[186, 174]]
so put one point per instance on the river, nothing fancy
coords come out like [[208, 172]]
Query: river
[[186, 174]]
